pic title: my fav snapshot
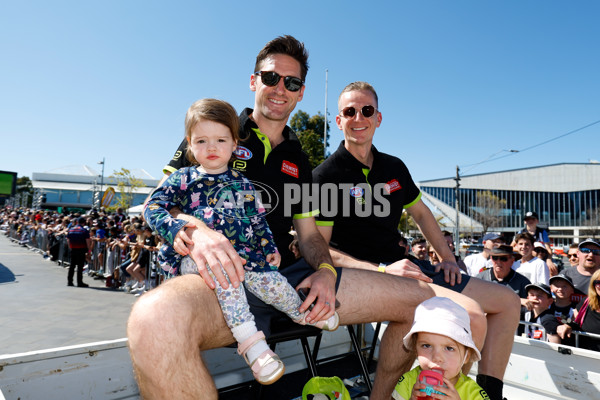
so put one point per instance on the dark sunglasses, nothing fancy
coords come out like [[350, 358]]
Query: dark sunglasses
[[271, 78], [585, 250], [596, 282], [366, 111], [501, 258], [572, 255]]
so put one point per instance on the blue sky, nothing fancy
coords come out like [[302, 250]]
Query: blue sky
[[458, 81]]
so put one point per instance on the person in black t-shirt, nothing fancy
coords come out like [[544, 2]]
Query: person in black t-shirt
[[541, 295]]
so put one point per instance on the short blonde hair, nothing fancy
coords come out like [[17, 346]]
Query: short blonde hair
[[358, 86], [210, 110]]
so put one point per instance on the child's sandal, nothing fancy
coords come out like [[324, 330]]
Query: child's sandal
[[266, 359]]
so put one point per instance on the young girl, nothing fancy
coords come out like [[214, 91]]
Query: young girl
[[441, 334], [227, 202]]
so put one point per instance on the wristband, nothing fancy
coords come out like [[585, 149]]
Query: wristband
[[329, 267], [381, 268]]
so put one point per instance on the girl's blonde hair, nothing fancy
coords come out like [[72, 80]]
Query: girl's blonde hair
[[592, 295], [210, 110]]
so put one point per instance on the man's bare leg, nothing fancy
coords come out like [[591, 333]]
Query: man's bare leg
[[167, 329], [503, 308]]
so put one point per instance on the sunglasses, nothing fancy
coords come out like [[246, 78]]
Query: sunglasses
[[585, 250], [500, 258], [366, 111], [271, 78], [597, 282], [572, 255]]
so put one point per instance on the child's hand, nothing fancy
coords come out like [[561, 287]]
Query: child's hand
[[274, 259], [417, 394], [449, 391]]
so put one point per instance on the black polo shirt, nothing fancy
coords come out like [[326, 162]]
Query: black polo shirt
[[277, 174], [513, 280], [364, 205]]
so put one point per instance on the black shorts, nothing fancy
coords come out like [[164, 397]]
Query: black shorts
[[265, 314], [438, 277]]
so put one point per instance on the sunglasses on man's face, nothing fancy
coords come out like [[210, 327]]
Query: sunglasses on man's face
[[500, 258], [572, 255], [585, 250], [272, 78], [366, 111]]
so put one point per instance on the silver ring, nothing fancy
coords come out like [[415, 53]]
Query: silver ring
[[326, 303]]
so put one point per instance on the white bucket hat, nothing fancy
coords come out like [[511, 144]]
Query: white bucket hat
[[442, 316]]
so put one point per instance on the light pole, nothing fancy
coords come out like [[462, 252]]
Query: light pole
[[102, 176]]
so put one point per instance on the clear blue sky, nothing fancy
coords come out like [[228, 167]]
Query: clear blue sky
[[458, 81]]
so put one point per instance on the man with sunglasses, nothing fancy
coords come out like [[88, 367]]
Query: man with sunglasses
[[169, 325], [502, 258], [359, 219], [572, 255], [588, 254]]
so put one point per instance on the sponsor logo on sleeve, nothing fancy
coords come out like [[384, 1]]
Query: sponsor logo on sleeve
[[392, 186], [289, 168]]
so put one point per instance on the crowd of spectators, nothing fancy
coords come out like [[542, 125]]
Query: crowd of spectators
[[122, 250], [123, 253]]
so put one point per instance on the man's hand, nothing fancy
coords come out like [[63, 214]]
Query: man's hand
[[551, 267], [321, 285], [407, 269], [274, 259], [452, 273], [210, 249]]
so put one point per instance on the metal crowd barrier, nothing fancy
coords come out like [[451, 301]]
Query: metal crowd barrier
[[577, 334]]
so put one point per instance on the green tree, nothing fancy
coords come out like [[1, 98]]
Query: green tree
[[310, 132], [407, 224], [25, 188], [127, 184], [488, 209]]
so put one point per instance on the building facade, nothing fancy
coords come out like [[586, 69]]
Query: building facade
[[565, 196]]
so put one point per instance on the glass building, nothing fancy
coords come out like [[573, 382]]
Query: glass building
[[565, 196]]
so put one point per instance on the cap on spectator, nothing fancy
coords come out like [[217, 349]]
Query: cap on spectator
[[541, 286], [564, 278], [589, 241], [81, 220], [490, 236], [530, 214], [502, 250], [442, 316], [539, 245]]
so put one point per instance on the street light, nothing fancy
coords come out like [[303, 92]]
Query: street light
[[102, 176]]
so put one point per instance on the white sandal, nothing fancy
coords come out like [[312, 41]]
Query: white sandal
[[267, 358]]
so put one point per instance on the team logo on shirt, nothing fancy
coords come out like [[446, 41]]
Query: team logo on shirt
[[392, 186], [243, 153], [289, 168], [356, 191]]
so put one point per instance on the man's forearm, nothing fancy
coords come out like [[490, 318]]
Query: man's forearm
[[314, 250], [341, 259]]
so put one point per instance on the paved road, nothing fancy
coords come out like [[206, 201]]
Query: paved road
[[39, 311]]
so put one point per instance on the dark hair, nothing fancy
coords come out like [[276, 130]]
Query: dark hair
[[447, 233], [418, 241], [525, 235], [288, 45]]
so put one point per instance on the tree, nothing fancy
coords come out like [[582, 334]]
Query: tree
[[407, 224], [310, 132], [126, 185], [488, 209], [592, 222], [25, 189]]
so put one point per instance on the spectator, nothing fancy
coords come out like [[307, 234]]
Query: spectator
[[404, 244], [529, 266], [450, 241], [502, 258], [295, 248], [588, 254], [419, 249], [572, 255], [433, 257], [80, 244], [441, 337], [587, 316], [563, 307], [476, 263], [539, 235], [541, 296]]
